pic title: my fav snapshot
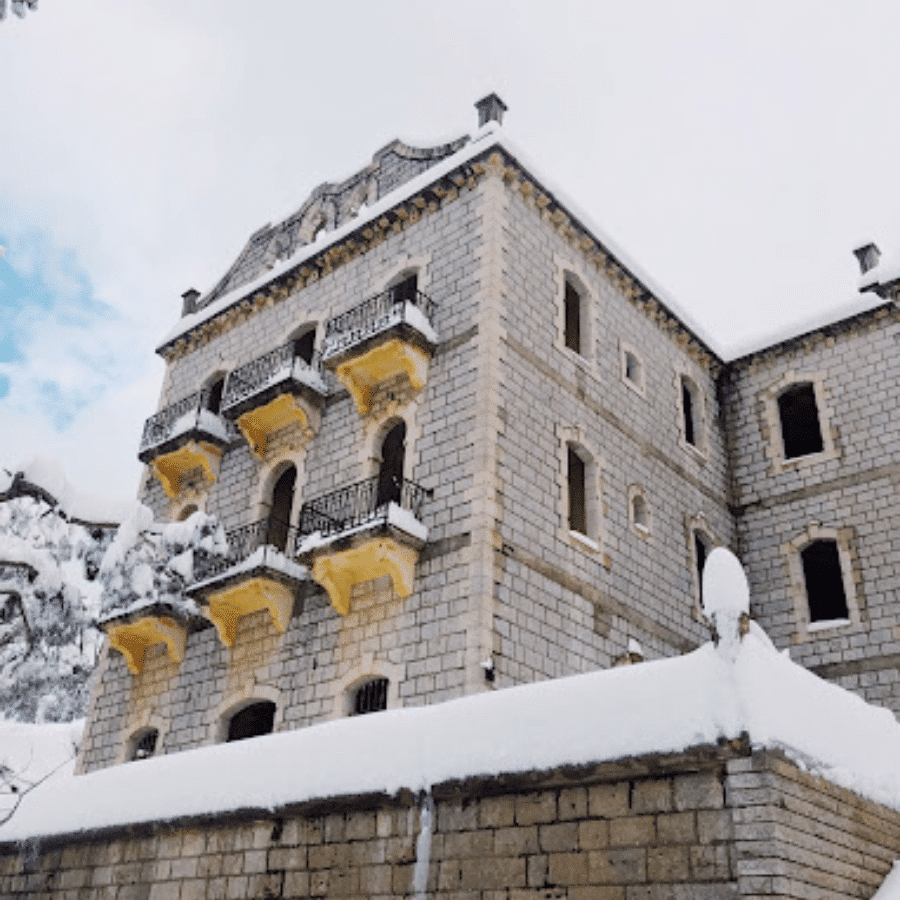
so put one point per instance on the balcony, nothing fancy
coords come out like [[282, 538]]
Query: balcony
[[184, 442], [382, 337], [133, 632], [273, 392], [255, 575], [362, 532]]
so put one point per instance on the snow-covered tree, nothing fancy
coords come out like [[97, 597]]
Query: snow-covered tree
[[19, 7], [52, 542], [151, 562]]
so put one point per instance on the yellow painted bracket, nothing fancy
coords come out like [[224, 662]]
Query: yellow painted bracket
[[362, 374], [227, 606], [132, 639], [337, 572], [258, 424], [170, 468]]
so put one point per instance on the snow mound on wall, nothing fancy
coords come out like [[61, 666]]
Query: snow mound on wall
[[30, 753], [657, 707]]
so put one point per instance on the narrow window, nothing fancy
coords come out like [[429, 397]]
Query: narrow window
[[799, 416], [390, 472], [632, 368], [371, 697], [575, 477], [573, 318], [406, 291], [252, 721], [145, 745], [214, 397], [688, 412], [824, 582], [639, 513], [700, 554], [280, 511], [305, 345]]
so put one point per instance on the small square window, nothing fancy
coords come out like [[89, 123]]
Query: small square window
[[370, 697]]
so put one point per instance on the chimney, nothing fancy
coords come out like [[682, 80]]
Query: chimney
[[868, 256], [189, 301], [490, 109]]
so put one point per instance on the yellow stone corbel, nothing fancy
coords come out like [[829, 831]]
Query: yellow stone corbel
[[171, 467], [226, 607], [338, 572], [284, 410], [362, 374], [132, 639]]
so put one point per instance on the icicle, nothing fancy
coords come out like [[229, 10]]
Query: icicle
[[423, 847]]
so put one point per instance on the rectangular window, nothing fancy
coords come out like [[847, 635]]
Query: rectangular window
[[824, 582], [371, 697], [799, 416], [576, 482], [573, 318], [687, 409]]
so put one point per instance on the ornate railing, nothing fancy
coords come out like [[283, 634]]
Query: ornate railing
[[166, 423], [358, 504], [264, 371], [373, 315], [242, 543]]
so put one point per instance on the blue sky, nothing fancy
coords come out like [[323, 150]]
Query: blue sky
[[738, 153]]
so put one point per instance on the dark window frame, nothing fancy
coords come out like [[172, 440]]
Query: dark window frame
[[800, 421], [576, 487], [253, 720], [370, 696], [823, 581]]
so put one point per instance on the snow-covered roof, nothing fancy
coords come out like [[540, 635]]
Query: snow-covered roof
[[663, 706]]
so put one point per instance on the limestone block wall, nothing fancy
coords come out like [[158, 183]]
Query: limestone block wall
[[562, 605], [704, 824], [848, 493], [419, 643]]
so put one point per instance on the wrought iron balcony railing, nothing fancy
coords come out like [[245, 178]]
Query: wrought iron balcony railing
[[275, 367], [183, 417], [243, 542], [359, 504], [376, 314]]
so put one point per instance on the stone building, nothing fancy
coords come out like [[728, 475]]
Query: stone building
[[459, 442]]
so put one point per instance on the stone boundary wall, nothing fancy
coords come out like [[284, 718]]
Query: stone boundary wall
[[711, 823]]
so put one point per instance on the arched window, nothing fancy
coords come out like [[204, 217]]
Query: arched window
[[280, 510], [214, 397], [144, 744], [799, 416], [824, 581], [252, 721], [640, 514], [576, 481], [370, 697], [405, 291], [305, 345], [390, 471]]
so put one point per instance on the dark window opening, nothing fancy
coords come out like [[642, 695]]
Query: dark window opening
[[700, 554], [406, 291], [252, 721], [305, 345], [390, 473], [687, 409], [799, 415], [145, 745], [280, 511], [824, 582], [371, 697], [577, 495], [632, 368], [214, 399], [573, 318], [639, 512]]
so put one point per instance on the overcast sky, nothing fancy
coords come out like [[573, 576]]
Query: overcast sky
[[737, 152]]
